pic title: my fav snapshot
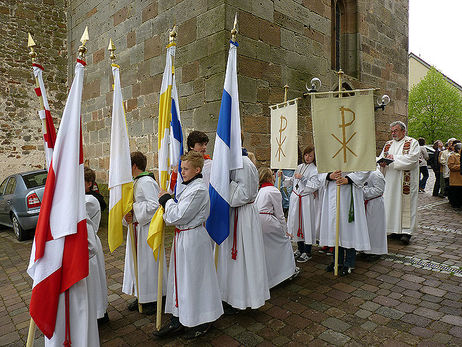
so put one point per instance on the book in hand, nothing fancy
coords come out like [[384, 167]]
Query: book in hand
[[385, 160]]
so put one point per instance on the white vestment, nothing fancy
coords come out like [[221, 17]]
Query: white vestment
[[145, 204], [193, 294], [375, 212], [280, 261], [401, 209], [243, 281], [82, 318], [352, 234], [97, 271], [206, 172], [303, 218]]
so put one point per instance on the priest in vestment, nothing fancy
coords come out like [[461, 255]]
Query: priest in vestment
[[401, 182]]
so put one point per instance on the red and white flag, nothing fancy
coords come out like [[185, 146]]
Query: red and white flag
[[59, 256], [48, 128]]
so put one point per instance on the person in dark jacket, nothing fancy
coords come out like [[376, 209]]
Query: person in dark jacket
[[437, 146]]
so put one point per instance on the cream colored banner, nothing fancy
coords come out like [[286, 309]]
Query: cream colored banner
[[284, 135], [344, 131]]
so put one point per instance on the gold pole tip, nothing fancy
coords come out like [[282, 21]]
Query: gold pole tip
[[85, 36], [111, 46], [30, 41], [172, 34], [234, 31]]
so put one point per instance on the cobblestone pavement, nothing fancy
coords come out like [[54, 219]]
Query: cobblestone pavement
[[412, 296]]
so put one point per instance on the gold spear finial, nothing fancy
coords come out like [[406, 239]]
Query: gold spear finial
[[172, 34], [234, 30], [111, 49], [31, 45], [83, 39]]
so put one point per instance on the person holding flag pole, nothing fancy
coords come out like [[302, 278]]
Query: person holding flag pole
[[48, 128], [241, 266], [170, 148], [61, 305]]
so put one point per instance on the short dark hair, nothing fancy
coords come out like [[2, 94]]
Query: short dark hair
[[89, 175], [139, 159], [421, 141], [309, 149], [196, 137]]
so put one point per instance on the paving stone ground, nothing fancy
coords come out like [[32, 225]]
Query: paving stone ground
[[412, 296]]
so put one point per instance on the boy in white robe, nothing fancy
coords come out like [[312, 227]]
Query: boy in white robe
[[241, 264], [375, 213], [193, 295], [352, 223], [145, 204], [280, 262], [94, 203]]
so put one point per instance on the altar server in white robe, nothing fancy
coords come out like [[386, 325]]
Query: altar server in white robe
[[241, 264], [193, 295], [280, 262], [402, 182], [375, 213], [94, 203], [353, 234], [145, 204], [301, 219]]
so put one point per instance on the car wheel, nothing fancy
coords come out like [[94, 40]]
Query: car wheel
[[18, 230]]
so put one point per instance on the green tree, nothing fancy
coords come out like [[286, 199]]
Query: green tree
[[435, 109]]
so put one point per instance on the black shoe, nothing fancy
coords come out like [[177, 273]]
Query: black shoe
[[104, 319], [405, 239], [345, 271], [228, 310], [133, 306], [169, 330], [330, 267], [149, 308], [197, 331]]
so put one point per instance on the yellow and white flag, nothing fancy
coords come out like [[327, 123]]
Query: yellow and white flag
[[344, 131], [163, 141], [120, 172]]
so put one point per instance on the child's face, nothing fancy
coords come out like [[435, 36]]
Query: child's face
[[309, 157], [88, 186], [200, 147], [188, 171]]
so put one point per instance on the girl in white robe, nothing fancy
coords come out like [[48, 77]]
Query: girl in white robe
[[280, 262], [301, 219], [353, 235], [145, 204], [241, 264], [193, 294], [375, 213]]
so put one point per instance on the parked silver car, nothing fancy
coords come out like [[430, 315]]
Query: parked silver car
[[20, 199]]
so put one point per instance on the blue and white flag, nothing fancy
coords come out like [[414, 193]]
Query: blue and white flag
[[227, 153]]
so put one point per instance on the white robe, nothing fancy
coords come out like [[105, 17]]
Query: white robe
[[243, 281], [351, 235], [191, 261], [145, 204], [303, 189], [280, 262], [97, 271], [375, 212], [393, 196], [82, 318], [206, 172], [82, 299]]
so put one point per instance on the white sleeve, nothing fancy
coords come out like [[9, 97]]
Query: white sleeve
[[407, 161], [184, 211], [144, 209]]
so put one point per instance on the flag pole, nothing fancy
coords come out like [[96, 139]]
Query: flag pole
[[337, 217], [111, 48], [33, 55], [286, 87]]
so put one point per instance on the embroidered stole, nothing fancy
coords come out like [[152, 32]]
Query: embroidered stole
[[406, 187]]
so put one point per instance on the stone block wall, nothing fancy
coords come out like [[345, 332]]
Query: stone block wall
[[280, 42], [21, 141]]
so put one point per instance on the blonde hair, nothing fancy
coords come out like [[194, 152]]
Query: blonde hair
[[194, 158], [252, 158], [265, 175]]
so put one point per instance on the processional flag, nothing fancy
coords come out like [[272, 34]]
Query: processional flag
[[49, 132], [120, 172], [170, 142], [59, 256], [227, 153], [344, 131]]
